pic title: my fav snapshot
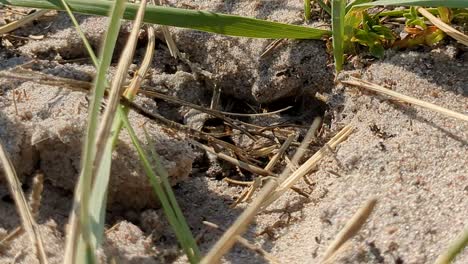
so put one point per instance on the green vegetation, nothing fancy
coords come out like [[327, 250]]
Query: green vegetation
[[86, 234], [367, 29], [177, 17], [338, 31], [373, 35]]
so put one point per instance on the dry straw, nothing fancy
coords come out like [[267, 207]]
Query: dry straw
[[462, 38], [29, 224], [21, 22], [380, 89], [269, 193], [246, 243], [350, 229]]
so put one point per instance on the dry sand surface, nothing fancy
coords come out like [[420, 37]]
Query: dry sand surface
[[414, 161]]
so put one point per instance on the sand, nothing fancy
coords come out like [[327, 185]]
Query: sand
[[414, 161]]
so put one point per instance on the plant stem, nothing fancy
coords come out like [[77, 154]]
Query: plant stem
[[454, 249], [307, 9], [338, 15]]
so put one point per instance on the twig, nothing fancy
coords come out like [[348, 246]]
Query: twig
[[34, 204], [280, 152], [215, 97], [377, 88], [135, 84], [29, 224], [305, 168], [213, 112], [333, 258], [244, 165], [21, 22], [37, 77], [167, 36], [12, 235], [462, 38], [310, 135], [245, 183], [230, 236], [271, 47], [240, 225], [257, 114]]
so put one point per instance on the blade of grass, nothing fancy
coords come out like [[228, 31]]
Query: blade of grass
[[307, 9], [104, 142], [163, 175], [81, 34], [29, 224], [324, 6], [117, 88], [355, 2], [455, 248], [84, 184], [192, 252], [99, 194], [98, 198], [429, 3], [338, 16], [194, 19], [167, 36]]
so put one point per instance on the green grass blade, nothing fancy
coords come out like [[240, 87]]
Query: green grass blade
[[354, 3], [307, 9], [108, 132], [400, 13], [98, 199], [191, 252], [98, 93], [338, 15], [193, 19], [324, 6], [81, 34], [455, 248], [185, 230], [429, 3], [82, 195]]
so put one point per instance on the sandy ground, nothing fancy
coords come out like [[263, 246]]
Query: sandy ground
[[413, 161]]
